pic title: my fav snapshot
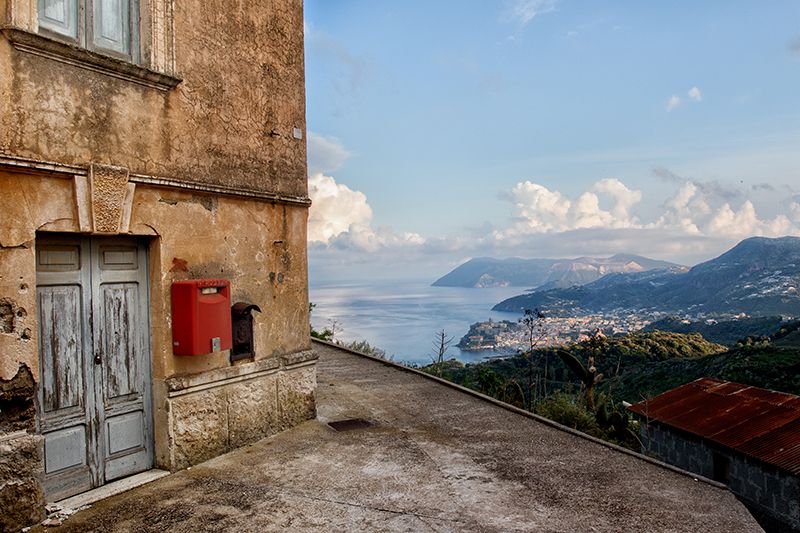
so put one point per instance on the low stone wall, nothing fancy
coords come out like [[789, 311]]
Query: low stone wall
[[772, 495], [775, 494], [684, 451], [217, 411], [21, 475]]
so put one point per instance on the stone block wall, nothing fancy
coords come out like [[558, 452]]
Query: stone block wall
[[682, 450], [772, 495], [215, 412], [21, 474]]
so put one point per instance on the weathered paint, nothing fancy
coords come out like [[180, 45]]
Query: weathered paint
[[207, 173], [246, 241], [95, 402], [229, 122]]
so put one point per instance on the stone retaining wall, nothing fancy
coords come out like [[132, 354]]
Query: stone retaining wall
[[218, 411], [773, 495]]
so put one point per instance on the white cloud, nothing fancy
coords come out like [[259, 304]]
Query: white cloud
[[673, 102], [695, 94], [700, 220], [335, 209], [623, 197], [325, 154], [693, 211], [541, 210], [706, 212], [342, 218], [745, 222], [524, 11], [794, 210], [681, 208]]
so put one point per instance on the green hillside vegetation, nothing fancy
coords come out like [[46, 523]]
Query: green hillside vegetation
[[727, 332], [623, 351], [788, 336], [767, 366], [633, 367]]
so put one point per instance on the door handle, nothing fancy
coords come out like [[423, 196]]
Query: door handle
[[97, 359]]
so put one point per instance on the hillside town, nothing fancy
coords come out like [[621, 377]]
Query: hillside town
[[508, 337]]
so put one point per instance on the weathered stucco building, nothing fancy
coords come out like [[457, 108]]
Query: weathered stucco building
[[144, 142]]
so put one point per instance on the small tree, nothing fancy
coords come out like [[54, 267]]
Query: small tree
[[440, 345], [588, 375], [325, 334], [334, 326], [533, 321]]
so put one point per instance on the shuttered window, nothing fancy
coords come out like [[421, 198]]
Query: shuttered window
[[59, 16], [106, 26]]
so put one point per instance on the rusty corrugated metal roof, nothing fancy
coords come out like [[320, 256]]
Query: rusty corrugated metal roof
[[760, 423]]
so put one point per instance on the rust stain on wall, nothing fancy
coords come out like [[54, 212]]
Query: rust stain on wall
[[179, 265]]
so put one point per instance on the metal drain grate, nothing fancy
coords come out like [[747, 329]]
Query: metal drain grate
[[350, 424]]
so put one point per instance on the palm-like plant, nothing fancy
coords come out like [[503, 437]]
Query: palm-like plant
[[588, 375]]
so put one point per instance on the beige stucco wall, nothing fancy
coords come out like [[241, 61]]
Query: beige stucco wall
[[209, 172], [229, 122], [259, 246]]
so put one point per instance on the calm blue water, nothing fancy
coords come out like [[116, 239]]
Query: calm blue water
[[403, 318]]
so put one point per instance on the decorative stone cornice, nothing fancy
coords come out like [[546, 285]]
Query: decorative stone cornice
[[34, 166]]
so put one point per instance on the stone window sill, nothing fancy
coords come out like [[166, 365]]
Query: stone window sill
[[40, 45]]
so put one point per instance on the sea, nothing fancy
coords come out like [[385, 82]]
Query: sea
[[403, 317]]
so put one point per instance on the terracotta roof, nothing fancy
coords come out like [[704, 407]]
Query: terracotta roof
[[760, 423]]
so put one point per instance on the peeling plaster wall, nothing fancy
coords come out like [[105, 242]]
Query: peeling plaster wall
[[21, 495], [259, 246], [229, 122]]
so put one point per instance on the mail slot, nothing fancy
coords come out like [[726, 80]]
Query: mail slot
[[201, 316]]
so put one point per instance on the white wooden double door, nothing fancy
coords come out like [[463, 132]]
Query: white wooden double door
[[94, 347]]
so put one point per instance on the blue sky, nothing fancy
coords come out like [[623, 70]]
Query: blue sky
[[440, 131]]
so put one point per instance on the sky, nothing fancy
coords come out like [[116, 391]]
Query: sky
[[443, 130]]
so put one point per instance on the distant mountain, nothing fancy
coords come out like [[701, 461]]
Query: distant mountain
[[757, 276], [544, 273]]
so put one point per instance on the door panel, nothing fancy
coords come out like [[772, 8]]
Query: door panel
[[119, 281], [65, 449], [65, 401], [120, 347], [61, 347], [94, 399]]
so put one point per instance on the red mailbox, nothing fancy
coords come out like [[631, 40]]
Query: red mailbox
[[201, 316]]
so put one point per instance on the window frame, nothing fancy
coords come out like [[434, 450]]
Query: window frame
[[85, 30]]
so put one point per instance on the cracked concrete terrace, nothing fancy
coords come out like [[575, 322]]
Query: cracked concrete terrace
[[435, 459]]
